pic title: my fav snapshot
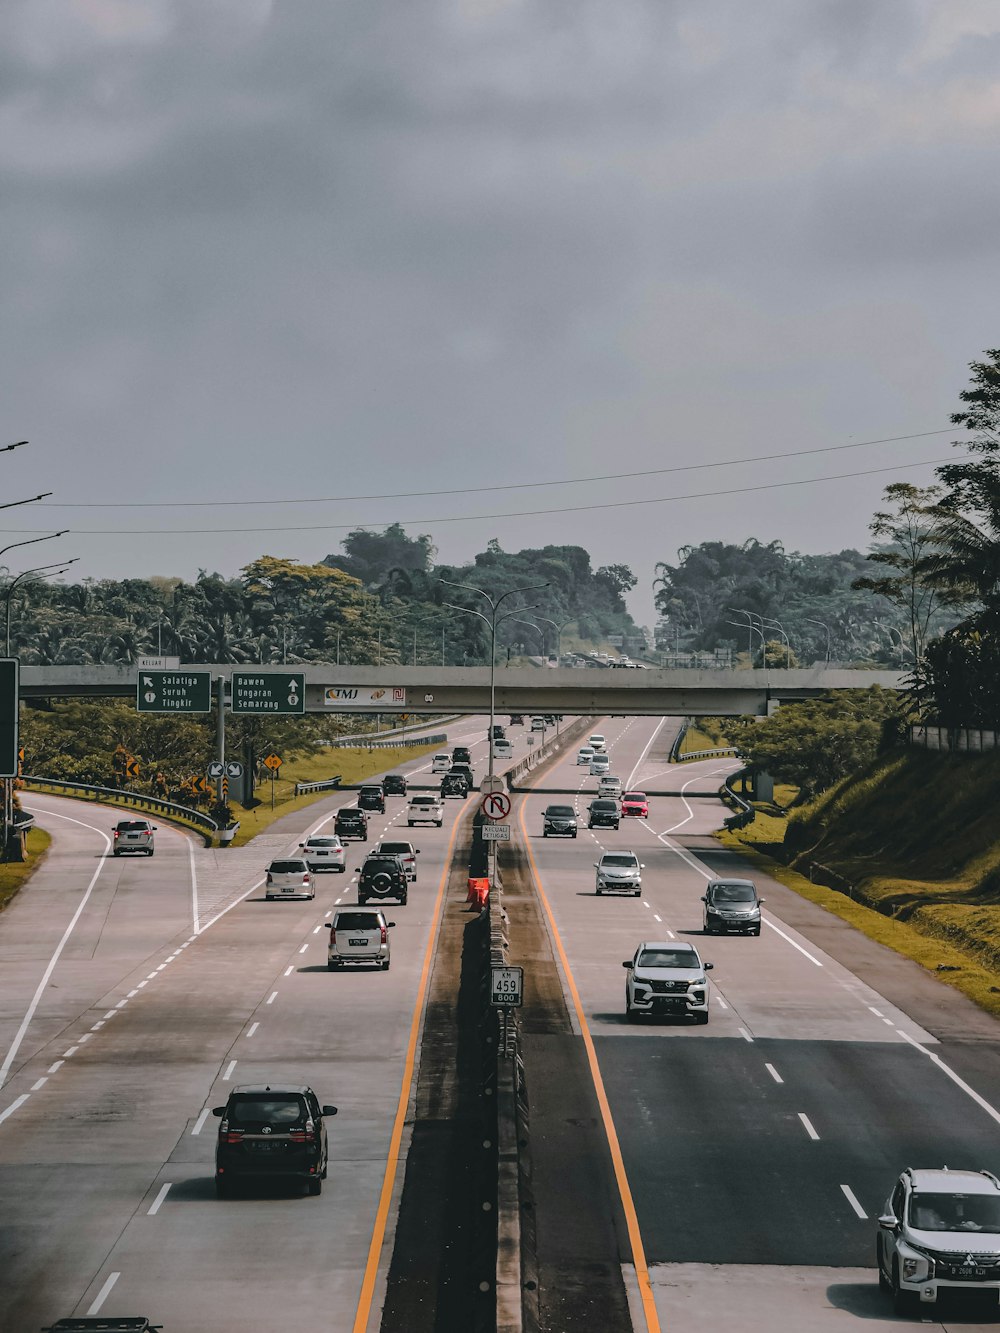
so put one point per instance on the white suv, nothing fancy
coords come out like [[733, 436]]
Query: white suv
[[665, 977], [939, 1229]]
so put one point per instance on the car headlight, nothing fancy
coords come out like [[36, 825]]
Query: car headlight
[[699, 982], [915, 1264]]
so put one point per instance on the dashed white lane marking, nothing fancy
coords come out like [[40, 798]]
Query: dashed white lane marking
[[122, 1003], [53, 1068], [876, 1012], [317, 929], [657, 918], [199, 1123], [807, 1125], [86, 1037], [290, 968], [110, 1014], [304, 948], [154, 1207], [889, 1021], [745, 1035], [671, 935], [229, 1071], [721, 1002], [645, 904], [852, 1199], [252, 1029], [140, 984], [39, 1083], [272, 997], [774, 1073], [151, 976], [72, 1051], [102, 1295], [131, 993], [98, 1025], [18, 1101]]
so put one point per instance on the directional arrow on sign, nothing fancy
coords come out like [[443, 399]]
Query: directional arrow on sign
[[234, 769], [216, 768]]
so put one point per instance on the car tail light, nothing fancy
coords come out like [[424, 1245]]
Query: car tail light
[[384, 934], [307, 1135], [269, 879], [117, 834], [233, 1136], [307, 877]]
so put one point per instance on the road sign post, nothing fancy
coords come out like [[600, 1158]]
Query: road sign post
[[273, 763], [495, 832], [183, 691], [495, 805], [9, 703], [268, 692]]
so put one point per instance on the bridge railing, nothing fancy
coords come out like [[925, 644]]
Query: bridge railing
[[745, 813], [326, 784]]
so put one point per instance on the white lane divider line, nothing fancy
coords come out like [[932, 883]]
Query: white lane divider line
[[110, 1014], [39, 1083], [805, 952], [959, 1082], [657, 918], [889, 1021], [272, 997], [98, 1025], [330, 913], [671, 935], [807, 1125], [745, 1035], [199, 1124], [72, 1051], [161, 967], [289, 969], [151, 977], [58, 1064], [154, 1207], [132, 992], [18, 1101], [85, 1037], [774, 1073], [876, 1012], [645, 904], [304, 948], [252, 1029], [104, 1292], [140, 984], [852, 1199], [229, 1071], [317, 929], [721, 1002], [122, 1003]]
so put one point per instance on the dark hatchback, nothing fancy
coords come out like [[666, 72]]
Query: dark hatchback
[[559, 820], [372, 797], [269, 1133], [394, 784], [461, 755], [351, 823], [603, 813]]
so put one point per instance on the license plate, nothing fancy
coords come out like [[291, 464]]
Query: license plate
[[265, 1147], [357, 943], [963, 1270]]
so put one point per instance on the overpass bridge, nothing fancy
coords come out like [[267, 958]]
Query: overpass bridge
[[427, 689]]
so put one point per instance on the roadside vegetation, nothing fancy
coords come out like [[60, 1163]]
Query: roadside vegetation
[[14, 874]]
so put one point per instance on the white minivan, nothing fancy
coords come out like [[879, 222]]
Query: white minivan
[[503, 749], [600, 764], [441, 763], [597, 741]]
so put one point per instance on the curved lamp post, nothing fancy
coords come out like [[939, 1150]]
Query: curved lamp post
[[38, 569]]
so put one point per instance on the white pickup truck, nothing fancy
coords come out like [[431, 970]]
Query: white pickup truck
[[425, 809]]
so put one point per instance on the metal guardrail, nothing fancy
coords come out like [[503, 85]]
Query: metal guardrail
[[325, 784], [361, 739], [135, 800], [745, 813], [720, 753]]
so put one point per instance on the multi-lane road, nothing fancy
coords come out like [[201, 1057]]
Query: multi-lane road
[[752, 1154]]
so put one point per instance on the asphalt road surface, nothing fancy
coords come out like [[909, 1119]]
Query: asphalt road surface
[[758, 1150], [134, 994]]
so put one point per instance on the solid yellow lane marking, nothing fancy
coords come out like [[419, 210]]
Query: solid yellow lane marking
[[392, 1161], [624, 1190]]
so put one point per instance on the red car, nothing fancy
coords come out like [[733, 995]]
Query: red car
[[635, 803]]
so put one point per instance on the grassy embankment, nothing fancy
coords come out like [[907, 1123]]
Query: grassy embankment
[[14, 873], [916, 837], [705, 734]]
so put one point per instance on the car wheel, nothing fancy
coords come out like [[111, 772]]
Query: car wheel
[[149, 851], [572, 835], [756, 932], [902, 1300], [883, 1281], [221, 1188], [116, 853], [402, 901], [332, 966], [385, 965], [600, 893], [316, 1185], [409, 823], [268, 897], [440, 823], [545, 834], [702, 1019], [632, 1015]]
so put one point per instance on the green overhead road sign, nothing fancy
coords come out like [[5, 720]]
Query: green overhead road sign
[[8, 716], [268, 692], [181, 691]]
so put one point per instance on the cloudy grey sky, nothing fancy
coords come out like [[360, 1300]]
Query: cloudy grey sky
[[265, 251]]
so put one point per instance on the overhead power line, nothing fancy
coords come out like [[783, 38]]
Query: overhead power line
[[517, 513], [481, 490]]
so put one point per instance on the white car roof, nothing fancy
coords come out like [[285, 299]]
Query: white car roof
[[943, 1181]]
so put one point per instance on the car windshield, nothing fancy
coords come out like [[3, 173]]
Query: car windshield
[[560, 811], [287, 867], [635, 796], [262, 1109], [668, 958], [356, 921], [619, 860], [598, 806], [732, 893], [955, 1212]]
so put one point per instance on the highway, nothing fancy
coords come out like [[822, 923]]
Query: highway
[[753, 1154], [134, 993], [759, 1149]]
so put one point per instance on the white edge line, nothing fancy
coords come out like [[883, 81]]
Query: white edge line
[[102, 1295], [195, 926], [18, 1101], [852, 1199], [960, 1082], [51, 966]]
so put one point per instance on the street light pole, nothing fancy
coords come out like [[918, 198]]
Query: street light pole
[[822, 624], [38, 569], [780, 628], [491, 620]]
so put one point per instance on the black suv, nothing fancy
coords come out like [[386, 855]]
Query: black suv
[[461, 755], [464, 772], [372, 797], [382, 877], [351, 823], [498, 733], [559, 819], [269, 1132], [394, 784], [454, 784]]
